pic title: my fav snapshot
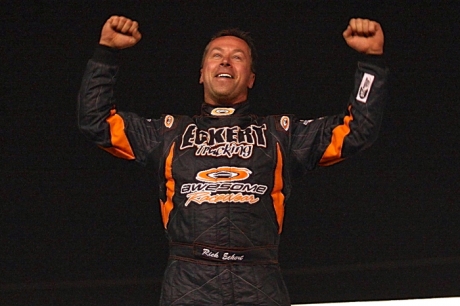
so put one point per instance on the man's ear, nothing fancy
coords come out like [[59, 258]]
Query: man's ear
[[201, 76], [251, 81]]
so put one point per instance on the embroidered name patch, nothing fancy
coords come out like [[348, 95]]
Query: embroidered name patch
[[365, 87]]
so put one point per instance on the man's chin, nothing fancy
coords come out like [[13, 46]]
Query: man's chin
[[224, 98]]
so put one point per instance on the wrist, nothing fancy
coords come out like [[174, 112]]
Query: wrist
[[374, 52], [106, 54], [107, 43]]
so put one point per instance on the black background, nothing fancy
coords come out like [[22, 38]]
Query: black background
[[80, 227]]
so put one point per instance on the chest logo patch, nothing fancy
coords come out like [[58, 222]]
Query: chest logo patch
[[227, 141], [223, 185]]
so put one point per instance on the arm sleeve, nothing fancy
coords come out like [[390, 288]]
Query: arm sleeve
[[125, 135], [328, 140]]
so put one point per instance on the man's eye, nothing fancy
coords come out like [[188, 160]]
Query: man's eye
[[216, 55]]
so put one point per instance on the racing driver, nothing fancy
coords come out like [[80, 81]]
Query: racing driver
[[224, 175]]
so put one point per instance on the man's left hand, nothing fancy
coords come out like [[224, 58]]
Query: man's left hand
[[365, 36]]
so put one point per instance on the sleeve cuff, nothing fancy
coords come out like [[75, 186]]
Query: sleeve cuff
[[378, 60], [106, 55]]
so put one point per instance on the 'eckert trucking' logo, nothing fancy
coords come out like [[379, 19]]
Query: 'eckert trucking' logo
[[224, 141], [221, 185]]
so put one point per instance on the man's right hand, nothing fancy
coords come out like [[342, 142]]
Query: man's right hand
[[120, 32]]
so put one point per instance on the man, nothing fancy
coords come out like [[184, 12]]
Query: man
[[224, 176]]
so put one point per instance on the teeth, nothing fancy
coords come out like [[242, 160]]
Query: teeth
[[224, 75]]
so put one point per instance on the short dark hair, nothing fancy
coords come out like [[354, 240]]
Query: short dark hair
[[241, 35]]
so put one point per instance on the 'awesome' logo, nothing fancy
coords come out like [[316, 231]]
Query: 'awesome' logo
[[221, 185]]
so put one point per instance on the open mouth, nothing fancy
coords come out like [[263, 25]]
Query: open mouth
[[224, 75]]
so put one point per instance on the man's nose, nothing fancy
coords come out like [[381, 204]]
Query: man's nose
[[225, 62]]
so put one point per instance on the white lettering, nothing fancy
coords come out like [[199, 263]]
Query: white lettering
[[209, 253], [224, 141], [233, 257], [222, 187]]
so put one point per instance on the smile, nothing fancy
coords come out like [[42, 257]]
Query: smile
[[224, 75]]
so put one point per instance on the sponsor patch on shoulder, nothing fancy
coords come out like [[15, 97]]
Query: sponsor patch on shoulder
[[365, 87], [285, 122], [169, 120]]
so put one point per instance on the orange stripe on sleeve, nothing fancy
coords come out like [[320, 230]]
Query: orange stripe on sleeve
[[333, 152], [277, 194], [120, 144], [167, 206]]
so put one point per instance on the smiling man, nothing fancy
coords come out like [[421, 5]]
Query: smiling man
[[224, 176], [226, 73]]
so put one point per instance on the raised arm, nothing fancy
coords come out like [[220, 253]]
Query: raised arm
[[123, 134], [331, 139]]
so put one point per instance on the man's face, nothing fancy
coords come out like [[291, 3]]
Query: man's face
[[226, 74]]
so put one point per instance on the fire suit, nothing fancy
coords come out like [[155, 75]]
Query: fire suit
[[224, 178]]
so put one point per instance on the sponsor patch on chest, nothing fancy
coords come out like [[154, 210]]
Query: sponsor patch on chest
[[223, 185], [228, 141]]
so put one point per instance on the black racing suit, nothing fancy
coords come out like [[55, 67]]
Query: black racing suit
[[224, 178]]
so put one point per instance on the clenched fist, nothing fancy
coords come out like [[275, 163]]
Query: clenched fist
[[365, 36], [120, 32]]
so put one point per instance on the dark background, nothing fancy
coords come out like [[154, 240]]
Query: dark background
[[80, 227]]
